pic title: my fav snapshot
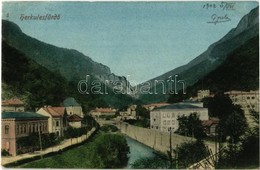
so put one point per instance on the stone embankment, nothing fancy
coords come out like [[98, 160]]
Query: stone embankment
[[159, 141]]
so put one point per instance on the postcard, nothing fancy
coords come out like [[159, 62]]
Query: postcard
[[130, 84]]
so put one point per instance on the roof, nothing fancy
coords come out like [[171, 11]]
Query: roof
[[55, 111], [242, 92], [74, 118], [156, 104], [22, 115], [104, 110], [178, 106], [12, 102], [209, 122], [70, 102]]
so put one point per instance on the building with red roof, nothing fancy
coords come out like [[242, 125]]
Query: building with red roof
[[12, 105], [57, 122], [96, 113]]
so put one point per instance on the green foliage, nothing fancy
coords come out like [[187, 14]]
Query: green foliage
[[150, 163], [96, 153], [72, 132], [235, 126], [232, 120], [108, 128], [145, 123], [32, 142], [243, 153], [109, 151], [191, 152], [142, 111], [4, 152], [190, 126], [107, 117]]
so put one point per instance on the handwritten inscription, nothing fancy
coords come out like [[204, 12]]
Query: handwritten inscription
[[226, 6], [218, 19]]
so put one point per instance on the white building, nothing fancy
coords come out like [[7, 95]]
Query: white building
[[57, 121], [162, 118], [202, 94]]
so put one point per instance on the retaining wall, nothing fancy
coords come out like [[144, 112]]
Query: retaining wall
[[159, 141]]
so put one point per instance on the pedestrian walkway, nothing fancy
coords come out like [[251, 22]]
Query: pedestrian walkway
[[64, 144]]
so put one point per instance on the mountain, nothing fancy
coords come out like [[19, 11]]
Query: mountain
[[240, 71], [71, 64], [37, 86], [31, 82], [214, 56]]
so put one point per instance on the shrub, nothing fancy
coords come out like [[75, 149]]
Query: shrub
[[4, 152]]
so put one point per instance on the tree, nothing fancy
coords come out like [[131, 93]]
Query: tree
[[109, 151], [235, 126], [191, 152], [191, 126], [143, 112]]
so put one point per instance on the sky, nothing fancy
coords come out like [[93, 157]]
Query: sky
[[140, 39]]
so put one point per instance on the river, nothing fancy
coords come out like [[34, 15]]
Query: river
[[137, 151]]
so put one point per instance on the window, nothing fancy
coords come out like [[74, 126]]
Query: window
[[164, 122], [253, 98], [164, 114], [6, 129], [24, 129], [168, 122], [17, 129], [33, 128], [168, 115], [173, 122], [248, 97], [57, 123]]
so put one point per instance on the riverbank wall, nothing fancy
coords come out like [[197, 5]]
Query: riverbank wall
[[159, 141]]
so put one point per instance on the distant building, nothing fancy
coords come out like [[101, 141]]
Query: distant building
[[99, 112], [74, 121], [201, 94], [12, 105], [20, 124], [155, 105], [210, 126], [166, 117], [57, 122], [130, 113], [73, 107], [247, 100]]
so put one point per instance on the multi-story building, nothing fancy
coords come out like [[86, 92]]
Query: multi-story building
[[73, 107], [12, 105], [247, 100], [166, 117], [99, 112], [20, 124], [202, 94], [57, 122]]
